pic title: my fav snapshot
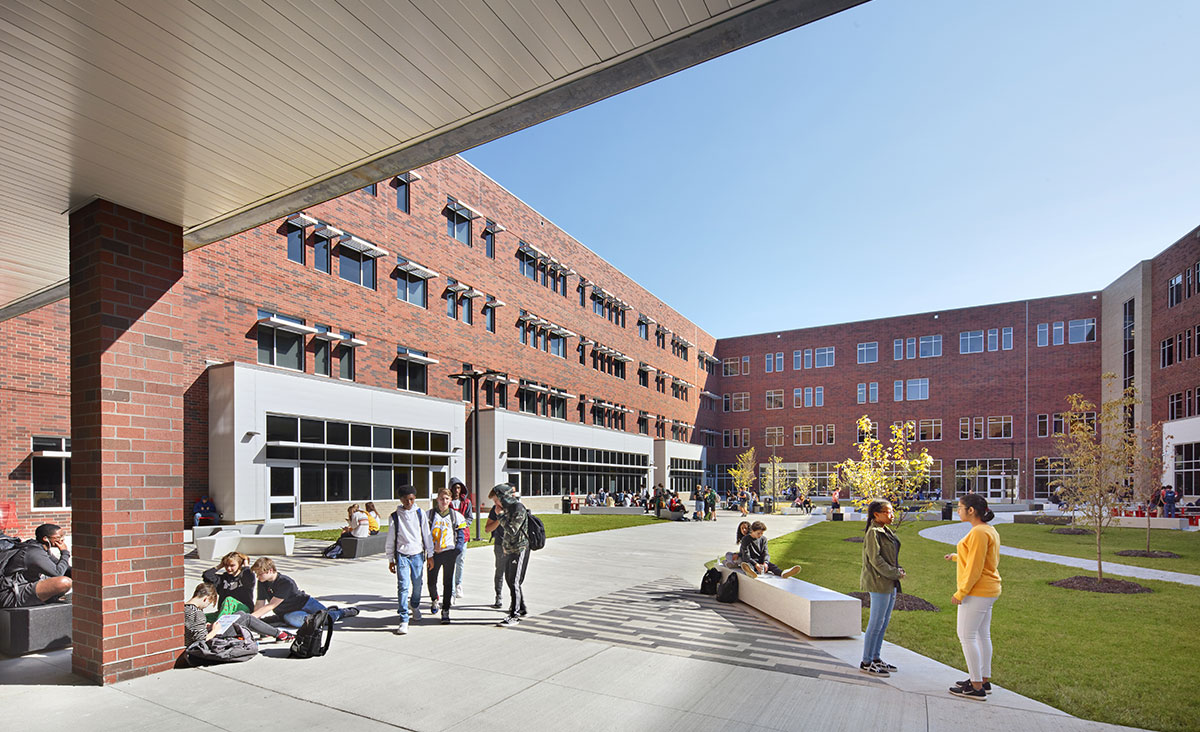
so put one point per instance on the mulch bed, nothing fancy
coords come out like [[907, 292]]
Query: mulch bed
[[1072, 530], [1144, 553], [903, 602], [1107, 585], [855, 539]]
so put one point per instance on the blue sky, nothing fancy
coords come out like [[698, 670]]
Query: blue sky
[[899, 157]]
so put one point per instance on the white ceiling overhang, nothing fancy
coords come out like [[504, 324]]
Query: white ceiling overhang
[[220, 117]]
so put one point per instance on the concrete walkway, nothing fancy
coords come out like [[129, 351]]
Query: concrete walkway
[[616, 640], [953, 533]]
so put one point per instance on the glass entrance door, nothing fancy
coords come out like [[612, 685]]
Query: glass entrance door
[[995, 487], [283, 501]]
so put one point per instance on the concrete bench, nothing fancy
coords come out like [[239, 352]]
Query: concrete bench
[[273, 528], [611, 510], [354, 547], [28, 629], [815, 611], [221, 543]]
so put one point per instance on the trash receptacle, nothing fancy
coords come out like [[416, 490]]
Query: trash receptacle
[[566, 504], [836, 516], [948, 511]]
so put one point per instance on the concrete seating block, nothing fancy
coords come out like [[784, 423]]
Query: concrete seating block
[[278, 545], [815, 611], [611, 511], [272, 528], [28, 629], [354, 547], [215, 546]]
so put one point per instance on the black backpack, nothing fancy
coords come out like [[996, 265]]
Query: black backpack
[[10, 546], [234, 648], [333, 551], [708, 585], [727, 591], [537, 532], [314, 636]]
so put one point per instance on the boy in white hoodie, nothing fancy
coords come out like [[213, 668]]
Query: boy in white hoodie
[[408, 547]]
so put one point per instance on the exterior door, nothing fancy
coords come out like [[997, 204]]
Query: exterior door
[[283, 496], [995, 487]]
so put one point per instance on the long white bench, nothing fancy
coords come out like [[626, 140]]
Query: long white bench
[[272, 528], [815, 611], [611, 510], [221, 543]]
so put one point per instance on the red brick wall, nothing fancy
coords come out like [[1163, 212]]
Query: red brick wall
[[1183, 376], [960, 385], [35, 399]]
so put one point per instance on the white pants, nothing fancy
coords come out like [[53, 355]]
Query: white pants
[[975, 635]]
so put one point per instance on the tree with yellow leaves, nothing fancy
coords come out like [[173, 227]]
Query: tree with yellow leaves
[[743, 472], [891, 472]]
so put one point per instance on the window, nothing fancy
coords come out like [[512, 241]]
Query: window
[[1043, 334], [295, 243], [644, 379], [862, 436], [819, 434], [1166, 351], [964, 428], [808, 363], [918, 389], [741, 401], [775, 399], [489, 241], [1043, 425], [527, 264], [828, 434], [898, 349], [729, 366], [779, 361], [862, 393], [745, 362], [797, 360], [402, 200], [929, 430], [802, 434], [357, 267], [1175, 406], [1057, 330], [970, 341], [868, 352], [873, 392], [774, 436], [458, 221], [451, 298], [281, 343], [745, 437], [321, 362], [1081, 331], [346, 361], [411, 366], [797, 398], [50, 472], [993, 339], [931, 346], [977, 428], [1006, 341], [410, 287], [999, 428], [770, 362], [824, 357], [489, 317], [910, 347], [808, 396], [1175, 291], [898, 391], [819, 396], [644, 333]]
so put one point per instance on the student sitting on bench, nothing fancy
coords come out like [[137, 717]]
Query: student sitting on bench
[[756, 559], [32, 575]]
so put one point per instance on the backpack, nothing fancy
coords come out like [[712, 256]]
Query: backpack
[[333, 551], [10, 546], [536, 530], [309, 641], [708, 585], [727, 591], [223, 648]]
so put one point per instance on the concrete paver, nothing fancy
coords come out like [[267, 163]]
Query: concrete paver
[[472, 675]]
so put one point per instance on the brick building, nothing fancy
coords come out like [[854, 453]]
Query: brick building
[[317, 356]]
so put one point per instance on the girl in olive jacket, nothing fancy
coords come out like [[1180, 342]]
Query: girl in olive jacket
[[881, 575]]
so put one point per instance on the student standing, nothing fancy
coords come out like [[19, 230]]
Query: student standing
[[494, 528], [408, 547], [445, 527], [977, 557], [881, 575], [514, 517], [461, 502]]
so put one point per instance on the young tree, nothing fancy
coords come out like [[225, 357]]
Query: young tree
[[743, 471], [892, 472], [775, 478], [1148, 466], [1098, 454]]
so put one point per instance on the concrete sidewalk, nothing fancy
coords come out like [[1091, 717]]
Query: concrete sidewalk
[[616, 639]]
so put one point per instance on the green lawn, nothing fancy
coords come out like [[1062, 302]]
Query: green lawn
[[557, 524], [1038, 538], [1103, 657]]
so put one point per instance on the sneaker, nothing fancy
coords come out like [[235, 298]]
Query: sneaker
[[285, 637], [969, 692], [966, 684], [402, 629], [509, 621], [791, 572], [434, 607], [498, 603], [890, 668], [350, 612], [415, 613], [523, 612], [445, 618], [873, 669], [458, 592], [748, 569]]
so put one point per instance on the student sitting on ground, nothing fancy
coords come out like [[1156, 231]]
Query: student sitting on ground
[[196, 629], [756, 559], [279, 594], [234, 582]]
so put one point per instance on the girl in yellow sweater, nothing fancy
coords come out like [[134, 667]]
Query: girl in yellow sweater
[[977, 557]]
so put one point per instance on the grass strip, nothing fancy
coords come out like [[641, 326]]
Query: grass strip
[[1037, 537]]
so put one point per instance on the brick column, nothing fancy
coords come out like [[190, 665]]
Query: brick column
[[127, 442]]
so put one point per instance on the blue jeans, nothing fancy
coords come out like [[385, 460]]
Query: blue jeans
[[881, 612], [296, 617], [1170, 510], [409, 570]]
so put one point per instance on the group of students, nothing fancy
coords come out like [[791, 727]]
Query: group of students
[[977, 588], [753, 557]]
